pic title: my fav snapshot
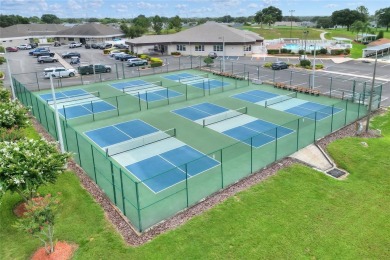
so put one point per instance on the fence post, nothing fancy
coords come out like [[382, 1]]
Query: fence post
[[78, 148], [298, 135], [179, 63], [331, 122], [186, 169], [123, 71], [353, 91], [273, 76], [291, 77], [330, 87], [258, 72], [315, 125], [113, 181], [251, 154], [36, 76], [123, 195], [93, 162], [138, 207], [222, 170], [116, 70], [346, 110]]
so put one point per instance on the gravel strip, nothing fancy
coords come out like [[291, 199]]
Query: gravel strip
[[133, 238]]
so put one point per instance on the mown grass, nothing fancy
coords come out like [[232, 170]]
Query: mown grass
[[299, 213], [283, 32]]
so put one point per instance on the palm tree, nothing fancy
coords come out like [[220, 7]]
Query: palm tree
[[357, 27]]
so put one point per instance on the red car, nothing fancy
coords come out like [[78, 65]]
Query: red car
[[11, 49]]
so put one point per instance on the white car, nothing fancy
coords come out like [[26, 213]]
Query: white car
[[75, 44], [136, 62], [24, 47], [58, 72]]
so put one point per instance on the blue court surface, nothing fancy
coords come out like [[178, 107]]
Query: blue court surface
[[114, 134], [128, 84], [169, 168], [262, 131], [197, 81], [77, 103], [157, 170], [313, 110], [157, 95], [255, 96]]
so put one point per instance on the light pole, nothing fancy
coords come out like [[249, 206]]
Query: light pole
[[59, 130], [371, 93], [314, 64], [305, 32], [10, 75], [291, 12], [223, 51]]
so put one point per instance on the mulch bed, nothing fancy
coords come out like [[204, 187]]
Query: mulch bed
[[62, 251], [135, 239]]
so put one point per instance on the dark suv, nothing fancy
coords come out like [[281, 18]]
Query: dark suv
[[279, 65], [43, 53], [88, 69]]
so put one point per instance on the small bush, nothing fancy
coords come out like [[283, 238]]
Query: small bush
[[5, 95], [305, 63], [208, 61], [336, 52], [1, 74], [2, 49], [323, 51], [13, 114], [380, 35], [156, 64], [319, 66], [2, 60], [301, 52], [11, 135], [144, 57], [175, 53], [273, 51], [285, 50], [267, 65], [347, 51]]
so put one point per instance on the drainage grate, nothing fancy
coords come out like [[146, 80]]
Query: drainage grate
[[336, 173]]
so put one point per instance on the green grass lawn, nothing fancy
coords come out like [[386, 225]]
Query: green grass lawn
[[299, 213]]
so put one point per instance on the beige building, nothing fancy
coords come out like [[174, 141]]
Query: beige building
[[201, 40]]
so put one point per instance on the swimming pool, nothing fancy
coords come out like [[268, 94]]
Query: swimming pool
[[296, 47]]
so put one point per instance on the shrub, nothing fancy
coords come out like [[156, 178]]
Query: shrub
[[273, 51], [12, 114], [323, 51], [285, 50], [2, 49], [380, 35], [5, 95], [301, 52], [144, 57], [11, 134], [319, 66], [2, 60], [155, 60], [1, 74], [208, 61], [28, 164], [347, 51], [336, 52], [156, 64], [175, 53], [305, 63], [267, 65]]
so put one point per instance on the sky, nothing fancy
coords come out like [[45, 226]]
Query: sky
[[183, 8]]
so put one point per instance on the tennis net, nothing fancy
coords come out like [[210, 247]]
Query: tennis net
[[142, 86], [279, 99], [224, 116], [83, 96], [193, 78], [140, 141]]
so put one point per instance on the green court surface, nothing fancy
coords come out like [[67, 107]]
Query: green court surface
[[234, 159]]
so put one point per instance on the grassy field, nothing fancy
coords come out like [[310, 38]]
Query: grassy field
[[299, 213], [283, 32], [351, 35]]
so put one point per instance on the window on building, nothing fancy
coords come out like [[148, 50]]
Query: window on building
[[181, 47], [247, 47], [199, 47], [218, 47], [70, 39]]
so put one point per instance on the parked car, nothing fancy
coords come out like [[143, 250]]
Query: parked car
[[11, 49], [34, 45], [74, 60], [279, 65], [105, 46], [87, 46], [117, 55], [125, 57], [75, 44], [95, 46], [68, 55], [57, 44], [31, 52], [88, 69], [121, 46], [113, 52], [213, 55], [24, 47], [58, 72], [44, 59], [136, 62], [43, 53]]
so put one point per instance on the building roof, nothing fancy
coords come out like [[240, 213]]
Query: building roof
[[379, 42], [210, 32], [378, 47], [91, 30], [30, 30]]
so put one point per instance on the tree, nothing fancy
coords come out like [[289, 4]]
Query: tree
[[8, 20], [324, 22], [34, 19], [269, 19], [208, 61], [363, 13], [39, 220], [142, 22], [346, 17], [50, 18], [28, 164], [270, 13], [383, 16], [175, 23], [357, 27], [157, 24]]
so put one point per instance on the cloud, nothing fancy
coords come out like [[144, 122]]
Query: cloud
[[145, 5], [331, 5], [120, 7], [74, 5]]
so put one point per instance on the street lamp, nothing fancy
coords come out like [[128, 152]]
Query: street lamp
[[314, 64], [59, 130], [371, 93], [223, 49], [291, 12], [305, 33], [10, 75]]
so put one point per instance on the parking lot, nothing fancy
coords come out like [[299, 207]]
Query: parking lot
[[30, 71]]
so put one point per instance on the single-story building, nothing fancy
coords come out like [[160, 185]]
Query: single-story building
[[201, 40], [85, 33]]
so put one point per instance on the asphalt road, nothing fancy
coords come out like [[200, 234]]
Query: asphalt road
[[337, 78]]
